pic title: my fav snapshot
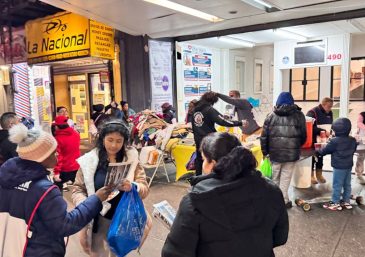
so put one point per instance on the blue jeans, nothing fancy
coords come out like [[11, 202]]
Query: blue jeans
[[341, 179]]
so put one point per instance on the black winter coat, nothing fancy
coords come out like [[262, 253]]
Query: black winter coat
[[204, 119], [342, 147], [246, 217], [283, 134], [22, 183], [7, 148]]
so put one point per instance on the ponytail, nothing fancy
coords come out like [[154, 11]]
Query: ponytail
[[238, 163]]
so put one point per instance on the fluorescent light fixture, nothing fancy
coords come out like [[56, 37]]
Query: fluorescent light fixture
[[263, 3], [185, 9], [291, 35], [236, 41]]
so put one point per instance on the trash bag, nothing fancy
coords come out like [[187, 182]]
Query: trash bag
[[266, 168], [191, 163], [128, 223]]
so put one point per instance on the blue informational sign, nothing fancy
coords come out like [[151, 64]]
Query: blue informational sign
[[191, 90], [191, 73], [205, 75], [202, 60], [203, 90]]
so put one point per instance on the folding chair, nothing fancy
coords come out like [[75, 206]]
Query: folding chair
[[160, 161]]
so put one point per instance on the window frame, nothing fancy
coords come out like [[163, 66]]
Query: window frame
[[305, 86], [258, 61], [241, 88]]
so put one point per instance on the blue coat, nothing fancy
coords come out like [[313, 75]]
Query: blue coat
[[22, 183], [342, 147]]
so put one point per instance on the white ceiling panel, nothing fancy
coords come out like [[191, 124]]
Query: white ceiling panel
[[286, 4], [138, 17]]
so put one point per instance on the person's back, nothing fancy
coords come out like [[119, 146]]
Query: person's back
[[23, 181], [231, 214], [232, 210], [284, 132]]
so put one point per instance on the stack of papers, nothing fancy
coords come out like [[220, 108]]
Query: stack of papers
[[165, 213]]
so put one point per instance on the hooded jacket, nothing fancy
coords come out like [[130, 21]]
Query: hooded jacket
[[7, 148], [204, 119], [246, 217], [68, 150], [342, 147], [283, 134], [22, 183]]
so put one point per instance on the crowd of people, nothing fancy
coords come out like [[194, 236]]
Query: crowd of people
[[211, 220]]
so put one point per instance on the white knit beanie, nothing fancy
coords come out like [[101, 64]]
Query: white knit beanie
[[33, 145]]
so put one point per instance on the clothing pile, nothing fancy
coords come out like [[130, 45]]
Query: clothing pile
[[150, 129]]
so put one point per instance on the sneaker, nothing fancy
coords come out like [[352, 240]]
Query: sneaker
[[346, 206], [288, 205], [332, 206], [361, 180]]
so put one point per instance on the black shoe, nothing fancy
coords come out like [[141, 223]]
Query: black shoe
[[288, 205]]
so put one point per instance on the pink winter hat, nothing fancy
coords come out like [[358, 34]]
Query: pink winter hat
[[33, 145]]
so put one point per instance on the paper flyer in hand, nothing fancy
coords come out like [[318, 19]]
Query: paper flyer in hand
[[115, 175], [165, 213]]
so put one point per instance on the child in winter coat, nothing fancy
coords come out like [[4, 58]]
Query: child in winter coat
[[68, 150], [23, 182], [342, 148]]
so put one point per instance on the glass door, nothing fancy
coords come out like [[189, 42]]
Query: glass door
[[79, 110]]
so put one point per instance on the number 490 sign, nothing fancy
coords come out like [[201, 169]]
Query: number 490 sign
[[334, 57]]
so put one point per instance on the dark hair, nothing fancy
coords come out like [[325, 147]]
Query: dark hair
[[191, 106], [235, 92], [233, 160], [107, 128], [59, 108], [209, 97], [6, 118], [63, 126], [122, 103]]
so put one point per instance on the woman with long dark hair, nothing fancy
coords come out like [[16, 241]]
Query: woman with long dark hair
[[111, 147], [232, 210]]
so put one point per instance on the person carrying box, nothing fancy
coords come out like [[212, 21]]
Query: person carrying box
[[342, 148]]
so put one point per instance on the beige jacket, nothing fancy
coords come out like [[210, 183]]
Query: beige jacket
[[84, 183]]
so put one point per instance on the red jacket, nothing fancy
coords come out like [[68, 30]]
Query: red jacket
[[68, 150]]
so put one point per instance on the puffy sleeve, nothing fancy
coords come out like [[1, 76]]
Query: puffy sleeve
[[79, 192], [53, 213], [182, 241]]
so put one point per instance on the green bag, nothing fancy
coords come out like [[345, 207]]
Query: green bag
[[265, 168]]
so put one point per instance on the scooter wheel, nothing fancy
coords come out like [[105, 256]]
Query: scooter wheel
[[359, 200], [306, 207]]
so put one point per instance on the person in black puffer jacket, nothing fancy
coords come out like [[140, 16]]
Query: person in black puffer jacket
[[232, 210], [283, 134], [342, 148]]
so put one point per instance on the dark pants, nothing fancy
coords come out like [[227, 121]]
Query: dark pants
[[317, 165], [198, 162], [66, 176]]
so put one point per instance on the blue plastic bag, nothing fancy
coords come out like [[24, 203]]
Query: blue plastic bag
[[127, 227]]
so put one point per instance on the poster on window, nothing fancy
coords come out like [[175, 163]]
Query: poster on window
[[160, 55], [197, 71]]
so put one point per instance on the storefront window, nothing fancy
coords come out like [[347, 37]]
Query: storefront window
[[258, 76], [304, 83], [357, 90], [100, 89]]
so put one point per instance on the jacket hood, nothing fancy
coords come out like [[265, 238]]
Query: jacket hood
[[223, 202], [17, 171], [65, 132], [4, 134], [342, 127], [285, 98], [286, 110]]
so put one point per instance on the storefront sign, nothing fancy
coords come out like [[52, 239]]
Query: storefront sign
[[67, 35], [161, 73]]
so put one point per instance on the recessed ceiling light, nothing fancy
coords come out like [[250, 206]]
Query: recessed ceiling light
[[289, 34], [185, 9], [236, 41]]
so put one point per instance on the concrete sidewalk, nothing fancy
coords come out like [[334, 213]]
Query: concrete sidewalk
[[318, 233]]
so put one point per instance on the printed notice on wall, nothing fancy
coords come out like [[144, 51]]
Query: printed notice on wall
[[197, 71], [161, 73]]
